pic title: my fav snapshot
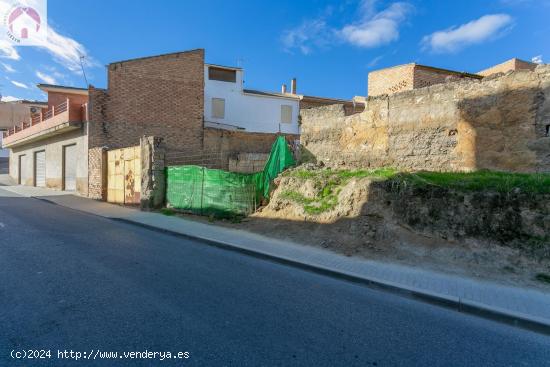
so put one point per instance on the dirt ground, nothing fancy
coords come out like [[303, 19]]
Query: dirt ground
[[354, 229]]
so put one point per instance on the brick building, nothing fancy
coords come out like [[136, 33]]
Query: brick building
[[410, 76], [413, 76], [508, 65]]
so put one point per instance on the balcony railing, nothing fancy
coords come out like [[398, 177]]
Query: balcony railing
[[73, 112]]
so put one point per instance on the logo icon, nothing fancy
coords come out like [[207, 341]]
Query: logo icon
[[21, 21], [24, 22]]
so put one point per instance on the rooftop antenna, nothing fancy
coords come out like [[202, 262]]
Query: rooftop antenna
[[82, 57], [240, 62]]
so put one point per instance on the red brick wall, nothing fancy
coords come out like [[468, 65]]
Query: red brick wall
[[159, 96]]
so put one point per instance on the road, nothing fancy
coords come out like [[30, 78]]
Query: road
[[77, 282]]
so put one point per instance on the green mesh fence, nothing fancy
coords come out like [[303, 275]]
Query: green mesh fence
[[217, 192]]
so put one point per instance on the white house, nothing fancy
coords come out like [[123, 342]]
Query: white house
[[227, 105]]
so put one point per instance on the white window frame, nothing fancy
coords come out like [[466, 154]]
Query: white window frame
[[214, 109], [289, 111]]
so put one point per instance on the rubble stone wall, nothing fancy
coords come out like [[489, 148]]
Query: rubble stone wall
[[498, 123]]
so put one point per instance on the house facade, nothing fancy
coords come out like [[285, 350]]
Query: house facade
[[46, 149], [228, 105]]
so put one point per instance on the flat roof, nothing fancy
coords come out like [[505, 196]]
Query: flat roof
[[62, 88], [271, 94], [328, 99]]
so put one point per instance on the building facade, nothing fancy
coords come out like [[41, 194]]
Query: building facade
[[228, 105], [47, 149]]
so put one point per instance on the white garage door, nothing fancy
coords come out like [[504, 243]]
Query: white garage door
[[69, 167], [40, 169]]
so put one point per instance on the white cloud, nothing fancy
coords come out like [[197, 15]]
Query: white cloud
[[8, 51], [9, 98], [19, 84], [309, 35], [376, 29], [46, 78], [477, 31], [66, 51], [8, 68], [372, 29], [537, 59], [374, 61]]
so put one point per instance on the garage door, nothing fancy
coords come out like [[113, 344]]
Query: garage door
[[69, 167], [40, 169], [23, 169]]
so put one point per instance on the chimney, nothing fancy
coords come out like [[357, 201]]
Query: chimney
[[283, 88], [293, 86]]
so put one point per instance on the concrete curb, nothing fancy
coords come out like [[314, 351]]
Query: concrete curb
[[524, 321]]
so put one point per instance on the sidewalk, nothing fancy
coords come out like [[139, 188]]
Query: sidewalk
[[523, 307]]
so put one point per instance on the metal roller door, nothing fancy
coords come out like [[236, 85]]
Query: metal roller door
[[69, 167], [40, 169]]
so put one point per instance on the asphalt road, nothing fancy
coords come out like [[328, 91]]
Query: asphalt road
[[75, 282]]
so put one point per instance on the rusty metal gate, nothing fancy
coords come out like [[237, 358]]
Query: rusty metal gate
[[124, 175]]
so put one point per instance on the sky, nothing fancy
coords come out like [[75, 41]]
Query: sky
[[329, 46]]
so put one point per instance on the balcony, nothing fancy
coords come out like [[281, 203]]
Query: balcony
[[58, 119]]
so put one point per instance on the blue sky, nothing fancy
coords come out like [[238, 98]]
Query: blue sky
[[330, 46]]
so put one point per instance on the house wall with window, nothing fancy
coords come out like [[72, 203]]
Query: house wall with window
[[227, 105]]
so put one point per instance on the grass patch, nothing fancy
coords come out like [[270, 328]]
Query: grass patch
[[329, 182], [503, 182], [542, 277], [382, 173], [168, 211]]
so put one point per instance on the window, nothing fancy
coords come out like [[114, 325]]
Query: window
[[223, 75], [286, 114], [218, 108]]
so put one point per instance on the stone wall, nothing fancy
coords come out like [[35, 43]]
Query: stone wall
[[498, 123], [153, 176]]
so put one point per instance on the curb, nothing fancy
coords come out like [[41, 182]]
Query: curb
[[524, 321]]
